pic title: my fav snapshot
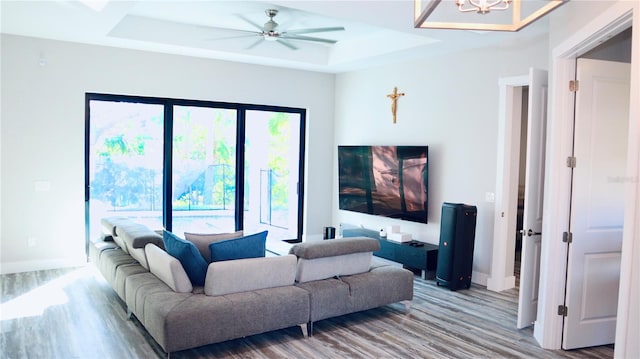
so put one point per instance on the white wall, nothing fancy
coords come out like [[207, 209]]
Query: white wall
[[42, 134], [451, 105]]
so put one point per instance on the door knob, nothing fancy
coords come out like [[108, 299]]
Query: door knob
[[530, 233]]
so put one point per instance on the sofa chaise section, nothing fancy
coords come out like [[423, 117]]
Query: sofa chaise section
[[188, 321], [340, 278]]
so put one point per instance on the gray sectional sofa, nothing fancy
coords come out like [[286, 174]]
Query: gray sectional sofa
[[242, 297]]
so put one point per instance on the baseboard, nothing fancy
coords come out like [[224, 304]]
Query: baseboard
[[500, 284], [479, 278], [35, 265]]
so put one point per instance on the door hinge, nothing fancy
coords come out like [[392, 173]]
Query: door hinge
[[567, 237], [562, 310], [574, 85], [571, 162]]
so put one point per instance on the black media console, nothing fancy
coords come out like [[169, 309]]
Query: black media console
[[422, 257]]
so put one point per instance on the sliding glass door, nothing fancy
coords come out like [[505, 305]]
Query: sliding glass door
[[271, 168], [204, 169], [194, 166], [125, 162]]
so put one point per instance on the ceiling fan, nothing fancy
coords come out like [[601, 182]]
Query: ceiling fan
[[270, 32]]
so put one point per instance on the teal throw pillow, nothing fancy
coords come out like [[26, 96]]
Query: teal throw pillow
[[252, 246], [188, 255]]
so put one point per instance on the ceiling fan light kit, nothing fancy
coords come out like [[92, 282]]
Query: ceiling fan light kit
[[485, 15]]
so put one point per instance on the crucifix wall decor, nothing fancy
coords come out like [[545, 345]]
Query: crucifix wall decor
[[394, 101]]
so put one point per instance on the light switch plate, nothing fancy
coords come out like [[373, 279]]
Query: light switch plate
[[490, 197], [42, 186]]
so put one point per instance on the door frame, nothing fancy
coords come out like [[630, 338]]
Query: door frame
[[509, 123], [548, 328]]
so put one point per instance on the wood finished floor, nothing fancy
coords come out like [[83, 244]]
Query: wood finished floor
[[74, 313]]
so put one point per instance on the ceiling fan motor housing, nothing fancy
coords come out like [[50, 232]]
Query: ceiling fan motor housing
[[270, 27]]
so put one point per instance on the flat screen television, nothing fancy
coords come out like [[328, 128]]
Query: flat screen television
[[390, 181]]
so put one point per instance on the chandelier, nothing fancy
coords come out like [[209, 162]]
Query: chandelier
[[511, 15], [483, 6]]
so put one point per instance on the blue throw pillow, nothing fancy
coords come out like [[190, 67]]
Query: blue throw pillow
[[252, 246], [188, 255]]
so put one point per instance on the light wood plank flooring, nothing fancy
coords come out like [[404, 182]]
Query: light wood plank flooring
[[74, 313]]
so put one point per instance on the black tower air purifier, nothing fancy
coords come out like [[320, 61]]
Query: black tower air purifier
[[455, 252]]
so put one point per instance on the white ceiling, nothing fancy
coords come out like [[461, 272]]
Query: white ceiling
[[376, 32]]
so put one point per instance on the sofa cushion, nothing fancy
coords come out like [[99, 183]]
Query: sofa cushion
[[168, 269], [188, 255], [202, 241], [118, 240], [334, 258], [97, 247], [109, 262], [243, 275], [122, 273], [122, 228], [329, 298], [380, 286], [335, 247], [251, 246], [328, 267], [109, 224], [139, 254], [138, 235]]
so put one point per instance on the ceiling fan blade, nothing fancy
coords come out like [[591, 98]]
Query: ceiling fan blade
[[257, 26], [308, 38], [232, 37], [227, 30], [260, 40], [287, 44], [318, 29]]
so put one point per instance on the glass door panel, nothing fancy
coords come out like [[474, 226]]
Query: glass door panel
[[272, 157], [204, 166], [125, 162]]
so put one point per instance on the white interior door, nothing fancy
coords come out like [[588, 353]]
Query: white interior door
[[597, 203], [534, 194]]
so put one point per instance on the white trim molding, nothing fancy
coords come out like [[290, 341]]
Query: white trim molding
[[548, 327], [35, 265], [503, 255]]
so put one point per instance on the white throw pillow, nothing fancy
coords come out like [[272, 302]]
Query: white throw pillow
[[168, 269], [243, 275]]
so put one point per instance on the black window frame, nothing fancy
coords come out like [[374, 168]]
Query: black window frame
[[168, 104]]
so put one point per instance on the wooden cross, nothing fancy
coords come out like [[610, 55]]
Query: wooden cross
[[394, 101]]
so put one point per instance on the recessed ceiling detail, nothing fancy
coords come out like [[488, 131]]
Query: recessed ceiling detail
[[383, 34]]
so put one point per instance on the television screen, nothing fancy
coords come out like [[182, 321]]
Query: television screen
[[390, 181]]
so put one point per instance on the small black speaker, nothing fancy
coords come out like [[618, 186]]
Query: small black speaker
[[329, 233]]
